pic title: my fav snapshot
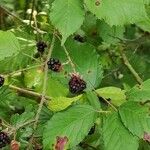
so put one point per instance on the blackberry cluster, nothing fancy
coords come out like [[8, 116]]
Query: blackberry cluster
[[76, 84], [4, 139], [1, 81], [54, 64], [41, 46]]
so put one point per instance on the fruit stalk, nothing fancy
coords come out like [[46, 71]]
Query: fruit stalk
[[27, 92], [68, 56], [129, 66]]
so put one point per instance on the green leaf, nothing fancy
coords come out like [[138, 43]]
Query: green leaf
[[55, 88], [67, 16], [13, 63], [93, 100], [116, 95], [147, 1], [144, 25], [144, 145], [7, 98], [34, 79], [9, 44], [45, 115], [11, 101], [17, 119], [110, 34], [74, 123], [24, 57], [118, 12], [116, 136], [140, 93], [135, 118], [61, 103]]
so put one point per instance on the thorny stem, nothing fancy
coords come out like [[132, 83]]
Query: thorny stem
[[5, 124], [68, 56], [14, 129], [44, 89], [19, 71], [35, 22], [44, 83], [32, 12], [70, 60], [111, 105], [31, 57], [34, 17], [103, 112], [27, 92], [24, 124], [129, 66]]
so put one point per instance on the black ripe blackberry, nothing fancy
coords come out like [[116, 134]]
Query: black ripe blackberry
[[1, 81], [41, 46], [4, 139], [76, 84], [79, 38], [54, 64]]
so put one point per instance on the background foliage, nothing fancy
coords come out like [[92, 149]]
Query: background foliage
[[107, 43]]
